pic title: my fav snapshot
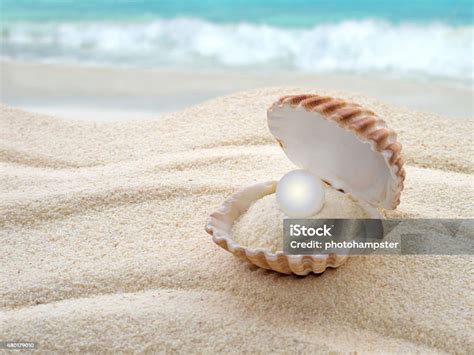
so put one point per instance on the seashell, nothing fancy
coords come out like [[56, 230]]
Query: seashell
[[347, 146], [220, 223]]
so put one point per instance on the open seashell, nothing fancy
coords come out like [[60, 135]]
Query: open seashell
[[347, 146]]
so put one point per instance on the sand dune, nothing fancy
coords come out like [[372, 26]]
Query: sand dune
[[102, 232]]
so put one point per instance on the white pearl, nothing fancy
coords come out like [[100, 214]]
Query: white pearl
[[300, 194]]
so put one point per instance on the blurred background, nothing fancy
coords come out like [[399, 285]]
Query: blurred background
[[124, 59]]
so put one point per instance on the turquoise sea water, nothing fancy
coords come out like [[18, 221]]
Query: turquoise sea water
[[420, 37], [290, 13]]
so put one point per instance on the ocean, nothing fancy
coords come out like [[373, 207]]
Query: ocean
[[421, 38]]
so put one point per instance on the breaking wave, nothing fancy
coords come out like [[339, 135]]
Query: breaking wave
[[435, 49]]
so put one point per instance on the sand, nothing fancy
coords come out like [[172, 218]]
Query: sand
[[103, 244], [261, 225], [95, 93]]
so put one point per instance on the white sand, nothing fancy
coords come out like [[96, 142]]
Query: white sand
[[95, 93], [261, 226], [103, 244]]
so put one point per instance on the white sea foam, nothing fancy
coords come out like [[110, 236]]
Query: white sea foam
[[353, 46]]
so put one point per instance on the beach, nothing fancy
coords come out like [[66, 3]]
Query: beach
[[102, 229], [104, 93], [124, 125]]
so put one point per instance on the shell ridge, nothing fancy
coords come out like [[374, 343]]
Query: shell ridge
[[367, 126]]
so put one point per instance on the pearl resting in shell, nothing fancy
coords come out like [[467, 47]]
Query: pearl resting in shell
[[345, 145]]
